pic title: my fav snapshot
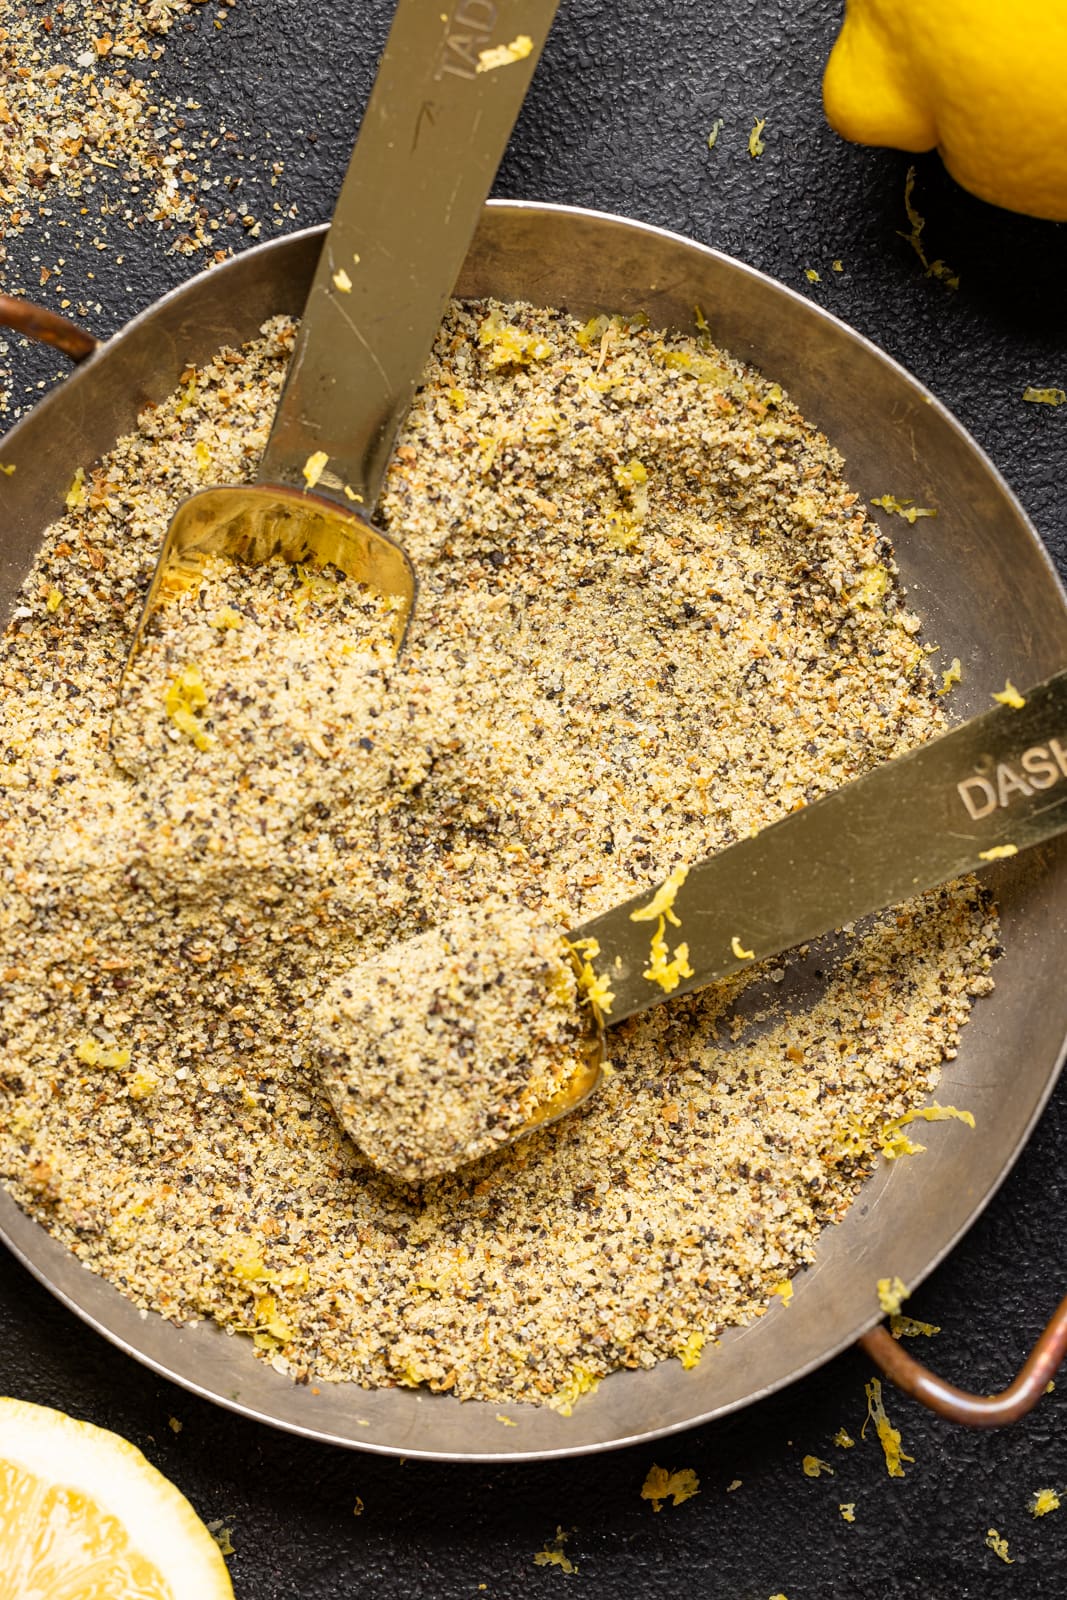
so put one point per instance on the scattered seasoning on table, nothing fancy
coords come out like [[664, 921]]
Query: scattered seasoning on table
[[652, 618]]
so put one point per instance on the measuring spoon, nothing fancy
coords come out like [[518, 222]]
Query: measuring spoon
[[450, 83]]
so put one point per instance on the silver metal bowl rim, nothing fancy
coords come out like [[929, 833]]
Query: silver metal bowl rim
[[842, 1343]]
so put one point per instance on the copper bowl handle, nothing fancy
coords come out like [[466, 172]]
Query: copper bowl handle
[[974, 1410], [36, 322]]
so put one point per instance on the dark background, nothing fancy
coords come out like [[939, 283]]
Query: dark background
[[617, 119]]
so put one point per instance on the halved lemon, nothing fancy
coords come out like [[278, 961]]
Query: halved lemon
[[83, 1516]]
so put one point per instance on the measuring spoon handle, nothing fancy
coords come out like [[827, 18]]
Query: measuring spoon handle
[[992, 787], [451, 80]]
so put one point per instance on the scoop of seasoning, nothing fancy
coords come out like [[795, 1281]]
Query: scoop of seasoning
[[439, 1049]]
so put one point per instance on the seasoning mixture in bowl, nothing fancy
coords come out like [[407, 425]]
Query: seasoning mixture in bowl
[[652, 617]]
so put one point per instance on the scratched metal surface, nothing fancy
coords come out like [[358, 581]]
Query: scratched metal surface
[[618, 118]]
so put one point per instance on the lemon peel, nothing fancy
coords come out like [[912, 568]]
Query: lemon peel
[[756, 145], [892, 1292], [812, 1467], [888, 1436], [661, 1486], [1010, 696], [999, 1546], [1044, 1501], [1045, 397]]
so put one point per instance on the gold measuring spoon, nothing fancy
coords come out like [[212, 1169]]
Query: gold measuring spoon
[[989, 789], [450, 83]]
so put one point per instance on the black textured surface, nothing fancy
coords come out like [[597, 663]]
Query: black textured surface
[[618, 118]]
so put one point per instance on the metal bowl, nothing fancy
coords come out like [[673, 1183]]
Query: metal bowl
[[985, 589]]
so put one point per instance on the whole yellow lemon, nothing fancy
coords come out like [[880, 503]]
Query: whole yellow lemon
[[985, 81]]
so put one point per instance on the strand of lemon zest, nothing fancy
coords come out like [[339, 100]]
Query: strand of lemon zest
[[509, 1422], [756, 145], [934, 269], [667, 973], [1044, 1501], [902, 508], [313, 467], [739, 951], [952, 674], [553, 1555], [908, 1328], [505, 55], [342, 281], [999, 852], [999, 1546], [716, 128], [350, 494], [892, 1292], [812, 1467], [1010, 696], [661, 1486], [888, 1436], [1045, 397], [935, 1113], [663, 900], [595, 987]]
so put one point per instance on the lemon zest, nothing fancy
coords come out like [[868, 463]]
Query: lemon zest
[[9, 470], [784, 1291], [934, 269], [186, 696], [581, 1381], [342, 281], [848, 1511], [688, 1353], [314, 466], [902, 508], [76, 497], [662, 902], [908, 1328], [999, 852], [667, 973], [227, 618], [594, 986], [952, 674], [553, 1554], [756, 145], [53, 600], [509, 345], [837, 266], [888, 1436], [999, 1546], [92, 1054], [1010, 696], [661, 1486], [1044, 1501], [812, 276], [739, 951], [844, 1440], [509, 1422], [716, 128], [812, 1467], [504, 55], [892, 1292], [1042, 397]]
